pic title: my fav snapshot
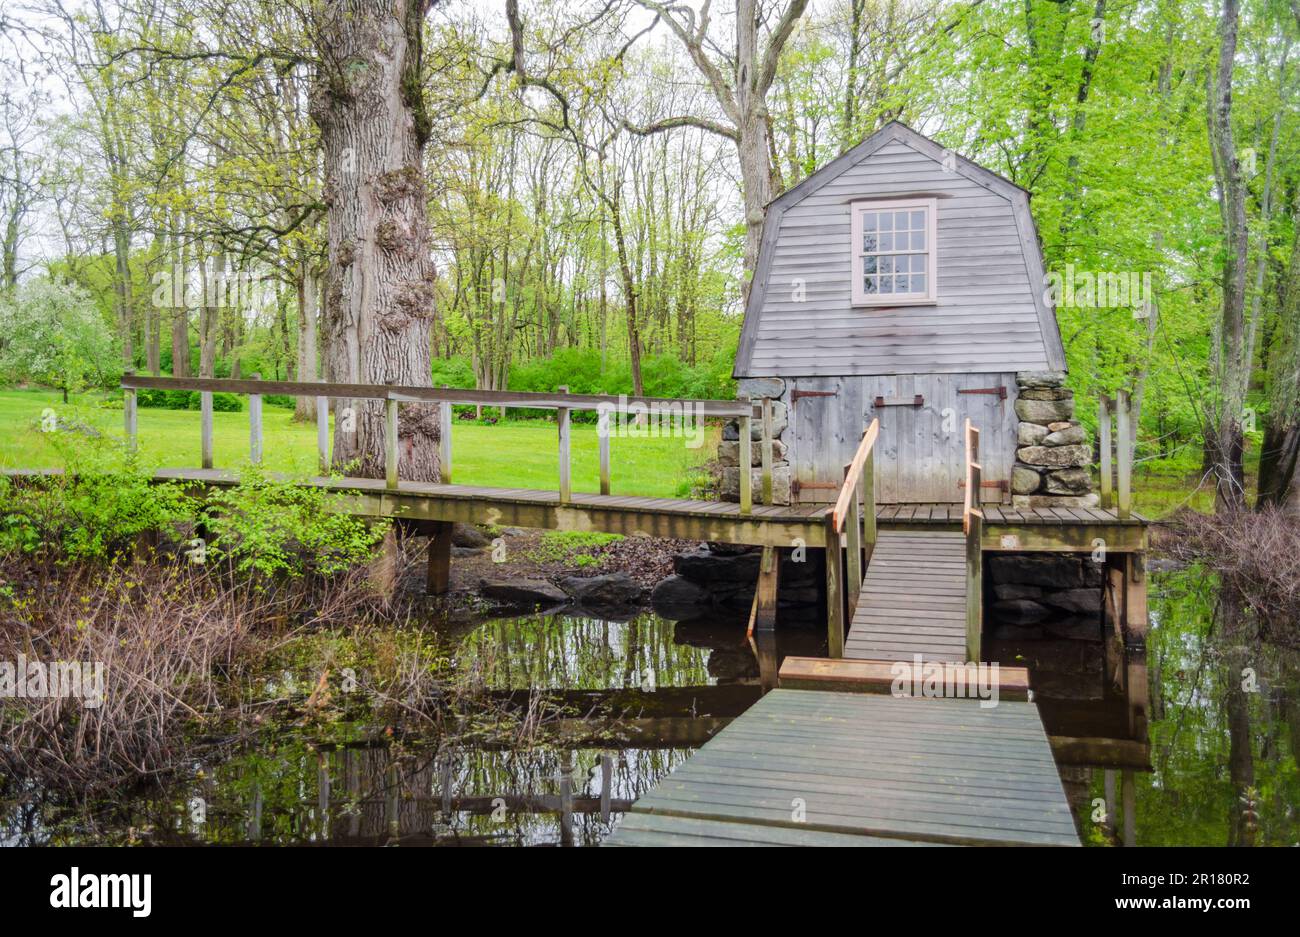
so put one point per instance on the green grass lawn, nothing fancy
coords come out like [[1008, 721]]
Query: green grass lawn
[[517, 454]]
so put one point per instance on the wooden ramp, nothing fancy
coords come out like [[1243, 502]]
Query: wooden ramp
[[806, 767], [913, 598]]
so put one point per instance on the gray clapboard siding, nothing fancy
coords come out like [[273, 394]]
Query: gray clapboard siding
[[991, 315]]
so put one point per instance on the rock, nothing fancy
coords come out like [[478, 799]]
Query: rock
[[729, 452], [1075, 628], [1040, 378], [1020, 611], [526, 592], [467, 535], [780, 420], [1060, 425], [757, 387], [1055, 501], [1071, 481], [1030, 434], [1094, 573], [1076, 600], [703, 566], [1072, 435], [1009, 590], [1024, 480], [1036, 569], [1060, 457], [1046, 393], [733, 663], [730, 483], [679, 594], [1043, 411], [466, 551], [610, 589]]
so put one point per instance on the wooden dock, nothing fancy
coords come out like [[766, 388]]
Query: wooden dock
[[913, 599], [806, 767]]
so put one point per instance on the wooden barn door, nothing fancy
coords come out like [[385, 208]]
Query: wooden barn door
[[920, 454]]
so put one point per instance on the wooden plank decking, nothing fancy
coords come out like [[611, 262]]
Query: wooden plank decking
[[913, 599], [870, 767]]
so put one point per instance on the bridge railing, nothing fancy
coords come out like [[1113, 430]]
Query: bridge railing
[[1116, 479], [563, 403], [973, 527], [850, 538]]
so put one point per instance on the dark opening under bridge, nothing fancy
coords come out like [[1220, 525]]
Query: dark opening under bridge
[[901, 580]]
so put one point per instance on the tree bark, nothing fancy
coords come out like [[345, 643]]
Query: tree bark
[[379, 282], [307, 369]]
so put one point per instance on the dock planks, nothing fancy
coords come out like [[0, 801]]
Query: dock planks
[[802, 764], [913, 599]]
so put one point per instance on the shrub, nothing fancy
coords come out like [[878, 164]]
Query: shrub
[[267, 526]]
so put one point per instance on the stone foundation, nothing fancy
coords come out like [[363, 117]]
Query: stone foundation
[[1053, 452], [1033, 595], [723, 576], [727, 466]]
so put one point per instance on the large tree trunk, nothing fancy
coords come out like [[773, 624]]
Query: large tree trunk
[[1279, 483], [380, 278], [1233, 357], [754, 141], [209, 316]]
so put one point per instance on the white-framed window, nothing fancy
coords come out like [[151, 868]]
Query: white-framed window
[[893, 252]]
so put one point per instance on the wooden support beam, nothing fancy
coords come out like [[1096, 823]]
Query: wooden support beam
[[205, 428], [834, 590], [439, 574], [562, 419], [876, 676], [129, 424], [1104, 466], [323, 433], [869, 506], [746, 459], [762, 613], [766, 451], [255, 424], [604, 456], [444, 441], [390, 443], [974, 587], [853, 548], [1136, 620], [1124, 454]]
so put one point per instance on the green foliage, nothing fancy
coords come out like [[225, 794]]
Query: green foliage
[[572, 546], [95, 510], [51, 333], [269, 527], [187, 400]]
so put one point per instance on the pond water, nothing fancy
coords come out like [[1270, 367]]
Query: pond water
[[1201, 732]]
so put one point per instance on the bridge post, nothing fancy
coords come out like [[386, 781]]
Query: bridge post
[[1124, 454], [746, 460], [834, 589], [869, 505], [129, 412], [604, 458], [390, 440], [439, 573], [1103, 447], [255, 424], [762, 613], [562, 419], [853, 546], [444, 440], [205, 427], [323, 433], [766, 451]]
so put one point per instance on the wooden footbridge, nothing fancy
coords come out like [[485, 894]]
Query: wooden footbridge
[[904, 582]]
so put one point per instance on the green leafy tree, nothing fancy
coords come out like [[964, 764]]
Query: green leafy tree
[[51, 333]]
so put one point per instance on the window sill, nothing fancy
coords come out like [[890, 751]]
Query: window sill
[[887, 304]]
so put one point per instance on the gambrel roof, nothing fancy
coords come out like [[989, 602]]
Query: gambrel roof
[[992, 313]]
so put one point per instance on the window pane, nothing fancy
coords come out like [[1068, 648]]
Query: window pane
[[886, 221], [869, 221], [886, 264], [900, 264], [869, 241], [868, 264], [918, 263], [918, 220], [918, 283], [900, 221], [869, 285], [887, 241], [918, 240], [900, 284]]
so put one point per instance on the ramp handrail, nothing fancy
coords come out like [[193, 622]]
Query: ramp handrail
[[850, 538], [972, 524]]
